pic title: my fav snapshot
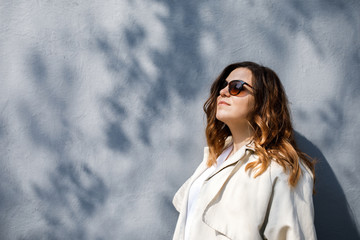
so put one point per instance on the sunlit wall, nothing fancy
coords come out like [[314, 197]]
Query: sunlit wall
[[101, 107]]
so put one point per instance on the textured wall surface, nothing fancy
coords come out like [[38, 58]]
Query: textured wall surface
[[101, 107]]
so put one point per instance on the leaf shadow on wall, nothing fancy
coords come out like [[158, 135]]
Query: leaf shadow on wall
[[72, 192], [178, 68]]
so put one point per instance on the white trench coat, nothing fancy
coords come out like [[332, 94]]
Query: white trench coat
[[234, 205]]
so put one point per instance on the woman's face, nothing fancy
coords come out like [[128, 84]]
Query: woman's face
[[234, 110]]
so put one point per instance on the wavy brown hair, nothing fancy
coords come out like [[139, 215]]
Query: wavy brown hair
[[270, 119]]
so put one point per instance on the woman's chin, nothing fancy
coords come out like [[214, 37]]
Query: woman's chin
[[222, 118]]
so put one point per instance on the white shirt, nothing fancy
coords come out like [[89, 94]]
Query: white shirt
[[196, 186]]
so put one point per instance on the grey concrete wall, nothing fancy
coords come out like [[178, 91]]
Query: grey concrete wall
[[101, 107]]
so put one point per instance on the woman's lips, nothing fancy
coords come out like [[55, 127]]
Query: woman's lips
[[223, 102]]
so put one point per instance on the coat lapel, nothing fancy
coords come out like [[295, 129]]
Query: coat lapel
[[215, 187], [215, 192], [234, 158]]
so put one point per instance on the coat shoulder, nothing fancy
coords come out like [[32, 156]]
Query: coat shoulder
[[278, 173]]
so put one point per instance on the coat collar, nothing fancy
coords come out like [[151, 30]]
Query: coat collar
[[182, 193], [249, 145]]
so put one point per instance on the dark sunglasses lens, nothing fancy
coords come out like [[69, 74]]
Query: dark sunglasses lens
[[235, 87]]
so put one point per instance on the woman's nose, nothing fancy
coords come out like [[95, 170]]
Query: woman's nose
[[224, 92]]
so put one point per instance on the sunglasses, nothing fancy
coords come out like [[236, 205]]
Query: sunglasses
[[235, 86]]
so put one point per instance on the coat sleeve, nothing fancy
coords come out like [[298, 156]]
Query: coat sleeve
[[180, 194], [290, 213]]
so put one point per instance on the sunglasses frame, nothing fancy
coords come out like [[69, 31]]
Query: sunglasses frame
[[226, 83]]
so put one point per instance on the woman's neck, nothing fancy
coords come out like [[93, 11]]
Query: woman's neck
[[240, 136]]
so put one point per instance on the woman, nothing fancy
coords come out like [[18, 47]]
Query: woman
[[253, 182]]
